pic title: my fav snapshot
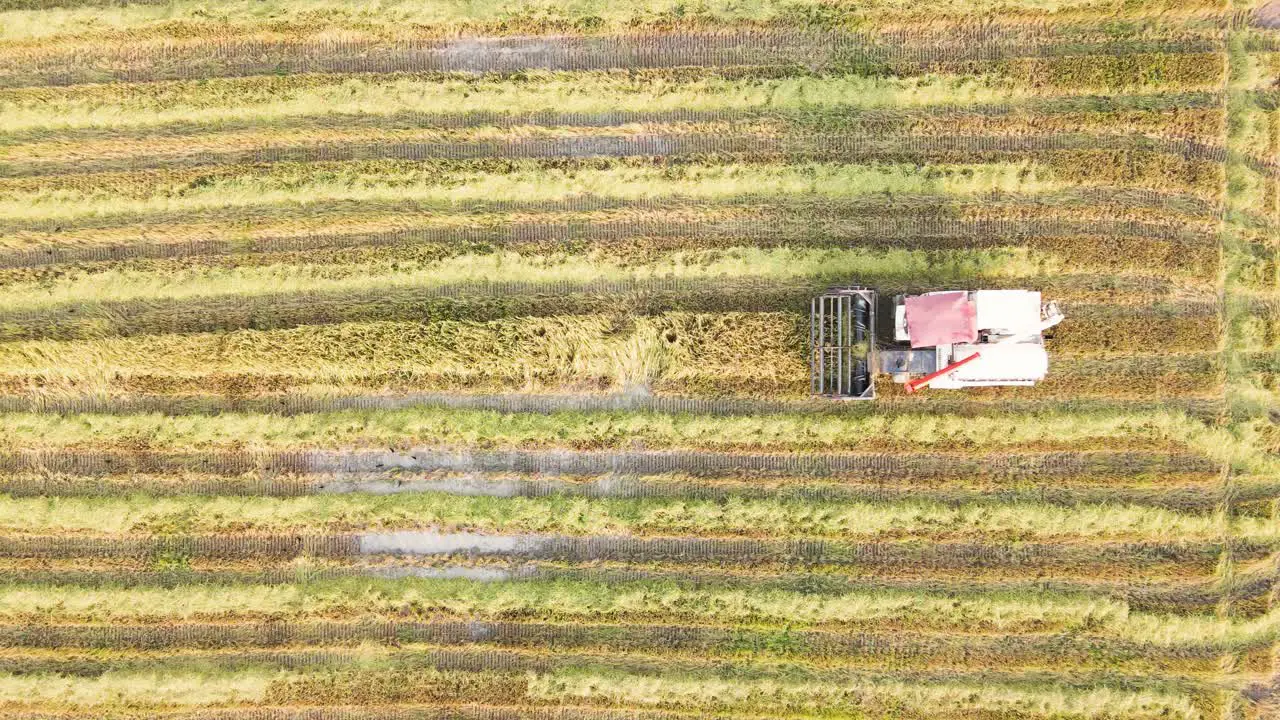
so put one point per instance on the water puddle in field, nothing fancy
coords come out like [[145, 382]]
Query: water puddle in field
[[481, 574], [480, 485], [474, 486], [428, 542], [490, 55]]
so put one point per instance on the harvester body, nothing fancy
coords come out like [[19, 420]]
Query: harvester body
[[949, 340]]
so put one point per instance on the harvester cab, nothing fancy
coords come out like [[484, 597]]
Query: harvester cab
[[948, 340]]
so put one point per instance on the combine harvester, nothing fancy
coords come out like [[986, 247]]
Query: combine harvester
[[952, 339]]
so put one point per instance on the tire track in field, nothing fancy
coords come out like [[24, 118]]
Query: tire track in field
[[768, 229], [873, 646], [1174, 497], [590, 462], [696, 646], [1196, 395], [1091, 557], [814, 148], [517, 402], [1182, 491], [808, 50]]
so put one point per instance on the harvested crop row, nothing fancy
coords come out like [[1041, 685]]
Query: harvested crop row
[[428, 426], [531, 681], [370, 100], [1087, 203], [28, 21], [131, 197], [1190, 116], [1181, 64], [373, 660], [634, 247], [745, 144], [615, 307], [1183, 596], [422, 268], [945, 562], [708, 176], [702, 355], [894, 222], [901, 649], [579, 601], [890, 43], [1095, 302], [586, 351], [713, 693], [40, 393], [942, 267], [1183, 493], [372, 663], [365, 659], [728, 517], [933, 466], [563, 179], [78, 19]]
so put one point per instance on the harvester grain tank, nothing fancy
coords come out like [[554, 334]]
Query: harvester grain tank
[[947, 340]]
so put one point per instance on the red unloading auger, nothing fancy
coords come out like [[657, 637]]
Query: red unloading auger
[[914, 385]]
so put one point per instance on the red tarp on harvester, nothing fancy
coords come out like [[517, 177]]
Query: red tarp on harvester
[[941, 319]]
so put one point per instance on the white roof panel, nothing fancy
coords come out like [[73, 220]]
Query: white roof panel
[[1003, 361], [1013, 310]]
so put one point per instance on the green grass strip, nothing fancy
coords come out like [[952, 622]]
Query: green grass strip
[[382, 182], [320, 514]]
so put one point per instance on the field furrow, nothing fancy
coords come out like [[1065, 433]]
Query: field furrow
[[953, 108], [1126, 326], [826, 147], [1171, 494], [1116, 241], [903, 649], [1103, 202], [1180, 63]]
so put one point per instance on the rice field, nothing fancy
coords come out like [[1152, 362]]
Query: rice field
[[449, 361]]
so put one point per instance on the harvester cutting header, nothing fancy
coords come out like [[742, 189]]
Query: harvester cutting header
[[952, 339]]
